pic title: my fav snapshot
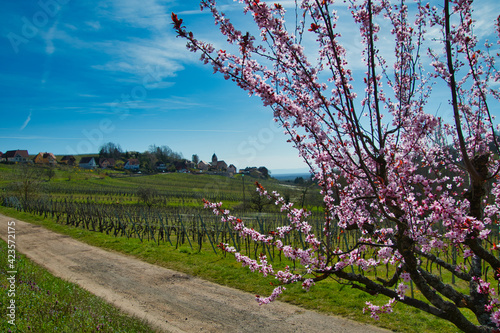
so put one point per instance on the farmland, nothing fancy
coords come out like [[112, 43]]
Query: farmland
[[160, 219], [159, 208]]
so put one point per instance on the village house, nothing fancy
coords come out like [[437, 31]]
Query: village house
[[231, 169], [132, 164], [261, 172], [190, 164], [1, 157], [45, 158], [203, 166], [68, 160], [87, 163], [160, 166], [105, 162], [221, 166], [16, 156], [184, 166], [216, 165]]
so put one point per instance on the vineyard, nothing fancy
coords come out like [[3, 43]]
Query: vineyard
[[158, 208], [170, 208]]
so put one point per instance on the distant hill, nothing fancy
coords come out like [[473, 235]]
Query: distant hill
[[291, 176]]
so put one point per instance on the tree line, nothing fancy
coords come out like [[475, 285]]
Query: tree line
[[148, 159]]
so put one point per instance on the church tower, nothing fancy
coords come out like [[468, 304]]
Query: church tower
[[214, 160]]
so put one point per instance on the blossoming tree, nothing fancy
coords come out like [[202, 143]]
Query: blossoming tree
[[412, 180]]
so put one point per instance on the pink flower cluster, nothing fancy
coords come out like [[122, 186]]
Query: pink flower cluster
[[306, 257], [376, 310]]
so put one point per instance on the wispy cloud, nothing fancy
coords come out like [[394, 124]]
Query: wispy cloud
[[178, 103], [95, 25], [88, 95], [154, 45], [178, 130], [38, 137], [49, 38], [164, 54], [26, 122], [143, 14], [485, 17]]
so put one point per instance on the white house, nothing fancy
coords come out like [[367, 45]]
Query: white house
[[88, 163], [132, 164], [160, 166], [20, 156]]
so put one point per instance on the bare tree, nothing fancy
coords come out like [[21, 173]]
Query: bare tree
[[148, 196], [28, 179]]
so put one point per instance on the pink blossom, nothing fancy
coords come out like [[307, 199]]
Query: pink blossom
[[376, 310], [402, 183], [307, 284]]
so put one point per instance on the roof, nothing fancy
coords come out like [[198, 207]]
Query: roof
[[85, 160], [46, 155], [133, 161], [13, 153], [68, 157], [110, 160]]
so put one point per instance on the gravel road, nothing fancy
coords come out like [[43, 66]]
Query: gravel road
[[169, 300]]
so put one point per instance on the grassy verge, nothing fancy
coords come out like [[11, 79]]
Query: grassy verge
[[327, 296], [45, 303]]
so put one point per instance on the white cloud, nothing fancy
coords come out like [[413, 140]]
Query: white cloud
[[153, 48], [88, 95], [95, 25], [144, 130], [159, 58], [143, 14], [26, 122], [49, 38], [38, 137], [485, 14]]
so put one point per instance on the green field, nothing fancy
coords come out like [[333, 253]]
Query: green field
[[173, 230]]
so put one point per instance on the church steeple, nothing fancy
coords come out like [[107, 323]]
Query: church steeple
[[214, 159]]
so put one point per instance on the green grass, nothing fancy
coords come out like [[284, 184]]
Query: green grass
[[45, 303], [179, 189], [327, 296]]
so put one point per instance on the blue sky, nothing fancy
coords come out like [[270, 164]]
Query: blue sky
[[78, 74]]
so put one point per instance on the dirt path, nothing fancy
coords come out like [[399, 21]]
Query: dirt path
[[171, 301]]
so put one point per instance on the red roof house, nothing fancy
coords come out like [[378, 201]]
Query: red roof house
[[21, 156], [132, 164]]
